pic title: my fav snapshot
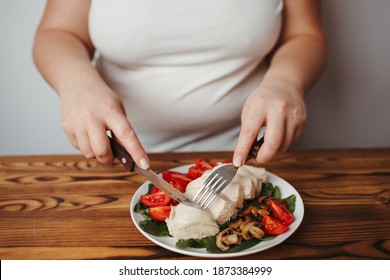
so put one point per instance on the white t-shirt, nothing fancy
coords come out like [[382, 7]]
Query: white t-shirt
[[184, 68]]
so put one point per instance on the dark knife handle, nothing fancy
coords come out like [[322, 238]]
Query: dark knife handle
[[255, 148], [121, 153]]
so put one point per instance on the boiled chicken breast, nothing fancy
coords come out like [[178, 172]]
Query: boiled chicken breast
[[187, 222], [234, 192], [221, 209], [248, 185], [256, 175]]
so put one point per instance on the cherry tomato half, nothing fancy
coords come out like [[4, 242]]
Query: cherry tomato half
[[205, 165], [160, 213], [176, 179], [156, 199], [200, 167], [195, 172], [273, 226], [155, 190], [281, 212]]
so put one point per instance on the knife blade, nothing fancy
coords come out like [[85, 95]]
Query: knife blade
[[125, 158], [165, 186]]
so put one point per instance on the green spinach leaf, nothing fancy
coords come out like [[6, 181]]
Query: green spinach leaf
[[194, 243], [246, 244], [154, 228], [276, 193], [290, 201], [267, 189]]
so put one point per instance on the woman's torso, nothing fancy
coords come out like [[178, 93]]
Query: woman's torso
[[184, 68]]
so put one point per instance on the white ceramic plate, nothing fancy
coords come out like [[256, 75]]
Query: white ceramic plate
[[170, 243]]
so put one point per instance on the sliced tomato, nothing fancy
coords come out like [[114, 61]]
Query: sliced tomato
[[200, 167], [176, 179], [174, 202], [178, 185], [281, 212], [227, 161], [195, 172], [155, 190], [169, 175], [160, 213], [205, 165], [156, 199], [273, 226]]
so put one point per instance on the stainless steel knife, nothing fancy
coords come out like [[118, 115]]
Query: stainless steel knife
[[125, 158]]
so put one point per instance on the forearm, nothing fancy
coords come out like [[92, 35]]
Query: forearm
[[64, 61], [298, 62]]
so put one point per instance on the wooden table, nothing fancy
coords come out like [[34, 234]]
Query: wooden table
[[67, 207]]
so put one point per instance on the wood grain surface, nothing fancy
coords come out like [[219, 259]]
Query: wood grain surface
[[67, 207]]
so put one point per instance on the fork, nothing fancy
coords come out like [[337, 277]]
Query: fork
[[221, 177]]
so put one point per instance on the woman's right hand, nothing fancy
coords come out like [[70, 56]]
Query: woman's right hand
[[62, 53], [87, 115]]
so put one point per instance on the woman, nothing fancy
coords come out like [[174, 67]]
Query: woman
[[181, 75]]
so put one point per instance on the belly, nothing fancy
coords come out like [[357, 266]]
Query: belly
[[165, 104]]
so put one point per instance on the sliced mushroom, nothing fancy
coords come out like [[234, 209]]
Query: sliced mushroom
[[227, 237], [265, 207], [260, 199], [263, 212], [232, 239], [255, 213], [246, 211], [244, 223], [257, 232], [235, 224], [252, 230]]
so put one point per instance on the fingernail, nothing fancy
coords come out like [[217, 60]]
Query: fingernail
[[143, 163], [89, 156], [237, 161]]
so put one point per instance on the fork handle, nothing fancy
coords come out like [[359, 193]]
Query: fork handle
[[121, 153], [255, 148]]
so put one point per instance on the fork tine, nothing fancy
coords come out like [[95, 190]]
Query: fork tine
[[213, 185], [205, 187], [213, 194], [206, 182], [210, 191]]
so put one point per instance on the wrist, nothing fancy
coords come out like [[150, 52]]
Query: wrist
[[282, 83]]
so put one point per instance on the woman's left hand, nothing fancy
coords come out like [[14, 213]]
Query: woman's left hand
[[281, 107]]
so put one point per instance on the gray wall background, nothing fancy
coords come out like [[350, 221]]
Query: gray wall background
[[349, 107]]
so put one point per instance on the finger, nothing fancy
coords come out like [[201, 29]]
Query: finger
[[298, 133], [85, 146], [288, 136], [249, 131], [100, 144], [69, 133], [73, 140], [122, 129], [273, 137]]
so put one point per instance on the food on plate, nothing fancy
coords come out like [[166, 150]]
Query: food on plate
[[201, 223], [221, 209], [200, 167], [281, 212], [247, 211], [158, 198], [234, 193], [273, 226], [248, 179], [251, 179], [160, 213]]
